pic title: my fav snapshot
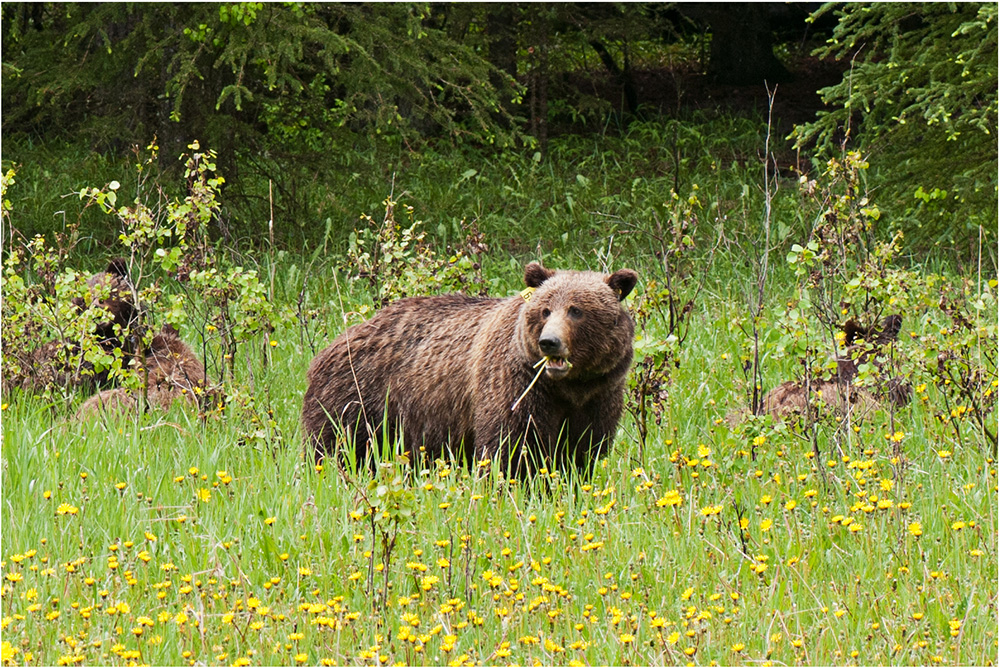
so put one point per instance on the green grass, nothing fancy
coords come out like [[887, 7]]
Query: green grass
[[168, 540]]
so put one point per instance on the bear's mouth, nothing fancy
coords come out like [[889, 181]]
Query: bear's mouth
[[557, 367]]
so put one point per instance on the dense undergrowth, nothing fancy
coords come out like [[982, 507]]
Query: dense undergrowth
[[585, 188], [206, 537]]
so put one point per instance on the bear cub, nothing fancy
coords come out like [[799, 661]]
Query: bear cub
[[449, 372], [172, 370], [791, 398], [60, 362]]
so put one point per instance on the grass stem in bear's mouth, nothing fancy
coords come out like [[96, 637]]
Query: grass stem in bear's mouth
[[540, 365]]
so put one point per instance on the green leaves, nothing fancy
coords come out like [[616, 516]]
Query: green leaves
[[802, 257], [924, 76]]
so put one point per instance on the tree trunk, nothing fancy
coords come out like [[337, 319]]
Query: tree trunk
[[623, 75], [742, 51]]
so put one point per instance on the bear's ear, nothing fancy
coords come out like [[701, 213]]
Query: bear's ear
[[890, 329], [853, 331], [622, 282], [535, 274], [118, 267]]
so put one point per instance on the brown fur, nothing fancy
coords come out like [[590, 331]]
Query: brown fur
[[52, 364], [112, 290], [449, 369], [174, 372], [838, 394]]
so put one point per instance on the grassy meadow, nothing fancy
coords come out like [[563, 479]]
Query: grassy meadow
[[184, 539]]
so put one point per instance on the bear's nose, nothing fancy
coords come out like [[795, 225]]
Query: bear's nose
[[550, 345]]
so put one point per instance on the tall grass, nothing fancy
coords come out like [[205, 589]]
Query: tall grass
[[169, 540]]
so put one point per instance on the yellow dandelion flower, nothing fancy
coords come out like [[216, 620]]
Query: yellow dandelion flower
[[67, 509], [671, 498]]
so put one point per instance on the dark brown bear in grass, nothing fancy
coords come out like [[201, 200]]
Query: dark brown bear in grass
[[59, 362], [172, 371], [112, 290], [864, 346], [450, 371]]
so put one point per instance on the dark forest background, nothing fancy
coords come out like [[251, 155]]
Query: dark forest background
[[317, 111]]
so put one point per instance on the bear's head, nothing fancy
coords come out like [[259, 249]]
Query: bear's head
[[865, 344], [112, 290], [575, 321]]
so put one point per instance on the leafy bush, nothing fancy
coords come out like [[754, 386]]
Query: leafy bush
[[162, 240]]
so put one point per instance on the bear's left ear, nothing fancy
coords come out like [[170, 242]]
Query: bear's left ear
[[622, 282], [535, 274], [118, 267]]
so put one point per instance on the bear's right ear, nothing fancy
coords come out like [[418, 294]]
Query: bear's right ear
[[535, 274], [853, 331], [622, 282], [890, 329]]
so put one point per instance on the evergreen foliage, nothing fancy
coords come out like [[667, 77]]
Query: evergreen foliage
[[921, 99], [260, 76]]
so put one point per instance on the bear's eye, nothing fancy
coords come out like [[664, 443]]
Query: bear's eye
[[575, 312], [546, 313]]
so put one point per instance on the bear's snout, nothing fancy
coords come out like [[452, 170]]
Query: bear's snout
[[551, 345], [555, 352]]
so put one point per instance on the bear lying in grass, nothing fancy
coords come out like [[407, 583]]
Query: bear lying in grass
[[864, 346], [60, 363], [450, 374], [172, 371]]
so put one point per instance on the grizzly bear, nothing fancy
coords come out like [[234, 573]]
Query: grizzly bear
[[174, 372], [864, 346], [533, 380], [60, 362], [112, 290]]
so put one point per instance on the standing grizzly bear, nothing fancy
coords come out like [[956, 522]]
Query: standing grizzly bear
[[452, 371]]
